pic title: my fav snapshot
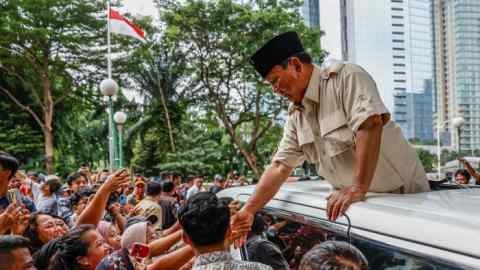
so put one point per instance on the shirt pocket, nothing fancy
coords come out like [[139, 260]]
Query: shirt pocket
[[306, 143], [336, 133]]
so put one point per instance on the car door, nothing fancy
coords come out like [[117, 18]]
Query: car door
[[295, 229]]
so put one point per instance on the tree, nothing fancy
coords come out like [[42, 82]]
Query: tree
[[428, 160], [216, 39], [51, 49], [18, 126]]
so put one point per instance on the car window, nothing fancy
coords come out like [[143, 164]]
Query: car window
[[293, 237]]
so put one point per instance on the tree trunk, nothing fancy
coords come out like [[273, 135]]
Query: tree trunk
[[48, 109], [248, 156], [167, 115], [49, 150]]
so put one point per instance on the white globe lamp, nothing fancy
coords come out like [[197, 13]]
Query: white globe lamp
[[108, 87], [458, 122], [120, 118]]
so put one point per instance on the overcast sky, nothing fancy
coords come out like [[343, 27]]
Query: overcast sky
[[140, 7]]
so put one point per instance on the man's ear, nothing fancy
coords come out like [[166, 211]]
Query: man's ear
[[296, 64]]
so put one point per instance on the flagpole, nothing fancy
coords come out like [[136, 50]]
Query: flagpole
[[108, 41], [111, 149]]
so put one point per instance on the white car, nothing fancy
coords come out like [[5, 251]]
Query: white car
[[433, 230]]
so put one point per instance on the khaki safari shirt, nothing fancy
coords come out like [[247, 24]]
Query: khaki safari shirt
[[322, 130]]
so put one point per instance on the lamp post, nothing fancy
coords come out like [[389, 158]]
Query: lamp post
[[120, 118], [457, 122], [109, 88]]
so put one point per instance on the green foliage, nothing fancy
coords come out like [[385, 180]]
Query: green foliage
[[208, 36], [428, 160], [19, 135]]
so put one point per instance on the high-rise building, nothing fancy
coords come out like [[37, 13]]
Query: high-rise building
[[419, 110], [392, 40], [457, 68], [311, 13]]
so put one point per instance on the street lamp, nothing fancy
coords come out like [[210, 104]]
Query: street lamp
[[457, 122], [120, 118], [109, 88]]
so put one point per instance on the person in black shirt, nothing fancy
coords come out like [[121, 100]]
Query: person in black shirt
[[259, 249], [219, 184]]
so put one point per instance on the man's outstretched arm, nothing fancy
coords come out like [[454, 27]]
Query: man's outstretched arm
[[270, 182]]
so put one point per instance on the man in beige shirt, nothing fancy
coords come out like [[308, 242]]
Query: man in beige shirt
[[337, 121]]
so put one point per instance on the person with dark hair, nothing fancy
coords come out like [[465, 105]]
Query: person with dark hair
[[47, 203], [8, 169], [261, 250], [334, 255], [15, 253], [197, 186], [337, 120], [219, 184], [205, 221], [138, 193], [42, 258], [78, 202], [471, 172], [150, 207], [42, 228], [81, 249], [75, 181], [462, 177], [169, 204]]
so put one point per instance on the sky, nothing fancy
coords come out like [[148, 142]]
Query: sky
[[140, 7]]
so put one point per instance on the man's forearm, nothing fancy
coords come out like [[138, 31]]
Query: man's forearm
[[270, 182], [368, 141], [95, 209]]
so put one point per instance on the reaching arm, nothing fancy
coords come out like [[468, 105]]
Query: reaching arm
[[174, 260], [163, 244], [269, 184], [470, 170], [95, 209]]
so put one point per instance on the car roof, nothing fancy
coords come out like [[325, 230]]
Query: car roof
[[447, 219]]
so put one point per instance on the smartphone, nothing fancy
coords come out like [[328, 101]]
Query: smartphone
[[139, 250], [14, 196]]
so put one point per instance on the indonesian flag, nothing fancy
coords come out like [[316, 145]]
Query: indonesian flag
[[120, 25]]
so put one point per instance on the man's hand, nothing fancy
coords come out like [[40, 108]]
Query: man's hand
[[339, 201], [240, 225]]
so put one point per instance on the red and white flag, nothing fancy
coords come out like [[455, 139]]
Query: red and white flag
[[120, 25]]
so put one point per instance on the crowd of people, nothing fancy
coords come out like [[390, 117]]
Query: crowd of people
[[102, 220]]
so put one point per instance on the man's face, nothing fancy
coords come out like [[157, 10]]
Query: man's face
[[199, 182], [139, 189], [22, 259], [14, 183], [78, 183], [461, 179], [289, 82]]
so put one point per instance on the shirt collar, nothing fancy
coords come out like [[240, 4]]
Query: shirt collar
[[212, 257], [312, 89], [312, 92]]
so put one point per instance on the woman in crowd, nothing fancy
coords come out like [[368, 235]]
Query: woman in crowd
[[81, 249], [110, 234], [42, 228]]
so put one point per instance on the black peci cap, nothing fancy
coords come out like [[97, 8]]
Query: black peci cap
[[275, 51]]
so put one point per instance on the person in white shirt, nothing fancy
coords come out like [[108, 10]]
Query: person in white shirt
[[197, 187]]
